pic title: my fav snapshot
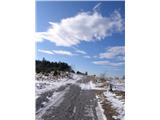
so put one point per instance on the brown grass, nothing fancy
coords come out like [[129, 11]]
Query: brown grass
[[109, 111], [120, 93]]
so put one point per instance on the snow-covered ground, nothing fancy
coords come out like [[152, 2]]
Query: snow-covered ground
[[51, 83], [117, 103], [91, 86], [100, 111], [46, 83], [48, 93], [118, 85], [54, 100]]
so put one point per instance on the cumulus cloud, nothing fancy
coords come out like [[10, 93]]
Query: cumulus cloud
[[108, 63], [112, 52], [85, 26], [45, 51], [62, 52]]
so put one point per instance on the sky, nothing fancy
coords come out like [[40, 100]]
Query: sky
[[89, 36]]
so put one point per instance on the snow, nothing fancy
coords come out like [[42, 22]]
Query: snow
[[118, 85], [87, 86], [49, 83], [54, 100], [100, 111], [74, 110], [46, 83], [90, 86], [117, 103]]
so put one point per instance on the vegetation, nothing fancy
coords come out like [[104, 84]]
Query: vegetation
[[80, 73], [109, 111], [45, 66]]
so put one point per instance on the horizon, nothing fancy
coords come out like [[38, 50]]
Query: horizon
[[95, 46], [81, 71]]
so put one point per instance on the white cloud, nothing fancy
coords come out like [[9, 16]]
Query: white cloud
[[87, 56], [85, 26], [45, 51], [81, 51], [101, 62], [39, 36], [112, 52], [108, 63], [62, 52], [117, 64]]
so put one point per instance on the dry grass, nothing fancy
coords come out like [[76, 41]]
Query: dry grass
[[120, 93], [109, 111]]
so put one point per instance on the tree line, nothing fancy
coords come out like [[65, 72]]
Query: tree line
[[45, 66]]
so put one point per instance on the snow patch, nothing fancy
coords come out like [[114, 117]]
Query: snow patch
[[46, 83], [117, 104], [54, 100], [87, 86], [100, 112], [90, 86], [118, 85]]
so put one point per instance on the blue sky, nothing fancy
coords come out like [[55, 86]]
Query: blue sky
[[90, 36]]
